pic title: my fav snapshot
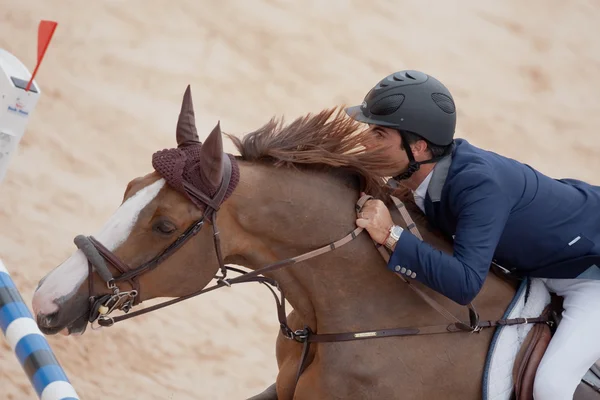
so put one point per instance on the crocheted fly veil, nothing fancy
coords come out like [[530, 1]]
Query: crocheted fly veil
[[198, 170]]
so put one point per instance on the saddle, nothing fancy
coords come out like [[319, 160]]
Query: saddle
[[529, 358], [534, 347]]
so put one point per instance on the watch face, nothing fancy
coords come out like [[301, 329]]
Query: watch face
[[396, 230]]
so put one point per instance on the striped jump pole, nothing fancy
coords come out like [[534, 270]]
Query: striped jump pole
[[30, 345], [19, 94]]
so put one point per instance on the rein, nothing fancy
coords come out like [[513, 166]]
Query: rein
[[102, 306], [253, 276]]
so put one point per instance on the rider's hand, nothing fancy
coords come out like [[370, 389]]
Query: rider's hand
[[376, 219]]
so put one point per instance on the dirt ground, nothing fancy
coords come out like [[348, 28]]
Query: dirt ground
[[525, 76]]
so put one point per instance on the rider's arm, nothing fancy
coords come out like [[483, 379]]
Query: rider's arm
[[482, 210]]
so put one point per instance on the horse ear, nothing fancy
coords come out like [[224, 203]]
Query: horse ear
[[211, 157], [186, 124]]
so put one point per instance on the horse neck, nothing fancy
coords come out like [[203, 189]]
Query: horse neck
[[295, 213]]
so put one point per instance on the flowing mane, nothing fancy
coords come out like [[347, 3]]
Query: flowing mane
[[326, 141]]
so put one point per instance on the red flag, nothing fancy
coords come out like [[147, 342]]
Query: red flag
[[45, 32]]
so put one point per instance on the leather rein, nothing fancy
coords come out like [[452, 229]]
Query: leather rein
[[102, 306]]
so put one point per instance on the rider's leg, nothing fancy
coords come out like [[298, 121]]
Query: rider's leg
[[576, 344]]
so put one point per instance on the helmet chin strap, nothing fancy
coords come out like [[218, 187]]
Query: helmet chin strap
[[414, 166]]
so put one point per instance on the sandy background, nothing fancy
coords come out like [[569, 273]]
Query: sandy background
[[525, 76]]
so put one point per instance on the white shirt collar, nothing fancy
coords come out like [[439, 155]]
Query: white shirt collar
[[421, 192]]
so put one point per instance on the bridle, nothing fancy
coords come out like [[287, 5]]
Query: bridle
[[97, 255], [102, 306]]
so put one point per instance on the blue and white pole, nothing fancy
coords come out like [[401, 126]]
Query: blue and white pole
[[18, 98], [30, 345]]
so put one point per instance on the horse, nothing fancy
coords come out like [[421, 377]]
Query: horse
[[286, 208]]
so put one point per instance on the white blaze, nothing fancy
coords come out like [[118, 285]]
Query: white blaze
[[65, 279]]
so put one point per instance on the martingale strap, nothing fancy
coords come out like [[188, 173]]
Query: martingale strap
[[306, 335], [410, 224], [412, 228]]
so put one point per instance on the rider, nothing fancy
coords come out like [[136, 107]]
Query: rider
[[495, 209]]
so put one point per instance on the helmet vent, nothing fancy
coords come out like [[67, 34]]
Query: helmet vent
[[444, 102], [387, 105], [409, 76]]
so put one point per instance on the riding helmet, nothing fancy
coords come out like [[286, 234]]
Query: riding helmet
[[412, 101]]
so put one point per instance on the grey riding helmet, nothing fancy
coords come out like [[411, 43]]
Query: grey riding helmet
[[410, 101]]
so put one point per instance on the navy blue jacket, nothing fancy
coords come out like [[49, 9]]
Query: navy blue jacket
[[500, 209]]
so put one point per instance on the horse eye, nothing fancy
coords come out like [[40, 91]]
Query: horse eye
[[164, 227]]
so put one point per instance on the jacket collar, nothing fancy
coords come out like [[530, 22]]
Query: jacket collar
[[438, 179]]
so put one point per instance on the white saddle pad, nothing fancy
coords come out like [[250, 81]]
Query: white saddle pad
[[497, 377]]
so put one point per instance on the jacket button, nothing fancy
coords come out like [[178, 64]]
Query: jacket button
[[397, 268], [414, 275], [403, 270], [408, 272]]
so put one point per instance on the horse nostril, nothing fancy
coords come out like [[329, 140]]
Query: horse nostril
[[46, 320]]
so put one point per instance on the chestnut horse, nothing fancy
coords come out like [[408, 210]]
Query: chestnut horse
[[293, 189]]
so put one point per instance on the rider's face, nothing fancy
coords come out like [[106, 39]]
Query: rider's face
[[392, 140]]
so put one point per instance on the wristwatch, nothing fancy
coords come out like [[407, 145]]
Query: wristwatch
[[393, 237]]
